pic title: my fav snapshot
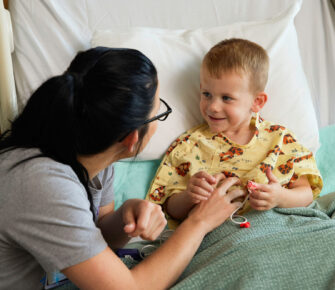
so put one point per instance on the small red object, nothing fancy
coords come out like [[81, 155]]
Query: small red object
[[251, 185], [245, 225]]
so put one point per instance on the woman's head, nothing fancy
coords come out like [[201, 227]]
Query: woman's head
[[103, 95]]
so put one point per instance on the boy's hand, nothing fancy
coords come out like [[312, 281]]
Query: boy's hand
[[265, 196], [200, 186]]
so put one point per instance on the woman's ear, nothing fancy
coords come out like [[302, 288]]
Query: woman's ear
[[131, 140], [259, 102]]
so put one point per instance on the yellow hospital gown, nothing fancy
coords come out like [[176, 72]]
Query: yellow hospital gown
[[201, 150]]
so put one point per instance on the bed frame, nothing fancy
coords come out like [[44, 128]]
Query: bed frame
[[8, 100]]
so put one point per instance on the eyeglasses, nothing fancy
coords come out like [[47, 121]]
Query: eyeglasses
[[163, 112]]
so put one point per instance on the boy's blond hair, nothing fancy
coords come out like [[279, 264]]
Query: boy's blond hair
[[240, 56]]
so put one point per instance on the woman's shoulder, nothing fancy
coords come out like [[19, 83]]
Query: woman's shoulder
[[26, 174], [28, 161]]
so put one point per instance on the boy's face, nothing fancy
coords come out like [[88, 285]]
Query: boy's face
[[226, 103]]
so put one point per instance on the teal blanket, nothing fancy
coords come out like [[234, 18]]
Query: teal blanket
[[325, 158], [283, 249]]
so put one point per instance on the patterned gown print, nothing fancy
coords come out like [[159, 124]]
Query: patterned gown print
[[199, 149]]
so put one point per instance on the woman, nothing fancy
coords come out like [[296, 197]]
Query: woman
[[56, 198]]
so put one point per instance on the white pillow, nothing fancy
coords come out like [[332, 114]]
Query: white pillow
[[177, 55]]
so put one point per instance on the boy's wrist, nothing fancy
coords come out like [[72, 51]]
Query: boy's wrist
[[186, 199], [282, 197]]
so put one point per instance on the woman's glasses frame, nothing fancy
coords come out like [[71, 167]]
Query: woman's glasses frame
[[160, 117]]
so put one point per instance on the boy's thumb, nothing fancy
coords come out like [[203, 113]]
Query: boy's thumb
[[271, 177]]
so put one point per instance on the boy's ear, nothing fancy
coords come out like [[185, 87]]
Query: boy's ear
[[130, 141], [259, 102]]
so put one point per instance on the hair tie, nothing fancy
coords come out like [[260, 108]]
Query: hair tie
[[77, 80], [76, 85]]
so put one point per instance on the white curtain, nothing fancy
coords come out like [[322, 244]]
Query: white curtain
[[8, 100]]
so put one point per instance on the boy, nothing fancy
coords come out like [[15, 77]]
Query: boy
[[235, 141]]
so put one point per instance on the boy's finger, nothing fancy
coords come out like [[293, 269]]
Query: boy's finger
[[261, 187], [200, 191], [206, 176], [258, 195], [258, 204], [197, 198], [201, 183], [271, 177], [219, 176]]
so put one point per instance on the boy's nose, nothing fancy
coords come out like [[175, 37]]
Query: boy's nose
[[214, 106]]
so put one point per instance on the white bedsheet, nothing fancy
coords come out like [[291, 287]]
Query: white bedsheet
[[48, 34]]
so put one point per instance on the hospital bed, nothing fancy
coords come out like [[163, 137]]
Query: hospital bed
[[39, 39]]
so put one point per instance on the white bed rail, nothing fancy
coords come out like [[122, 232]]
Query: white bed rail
[[8, 100]]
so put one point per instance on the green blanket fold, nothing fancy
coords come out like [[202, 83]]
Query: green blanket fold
[[283, 249]]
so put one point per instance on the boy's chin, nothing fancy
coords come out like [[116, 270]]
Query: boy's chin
[[216, 130]]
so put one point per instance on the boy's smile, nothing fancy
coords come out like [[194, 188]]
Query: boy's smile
[[227, 103]]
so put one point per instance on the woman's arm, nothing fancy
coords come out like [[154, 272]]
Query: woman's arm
[[163, 267], [136, 217]]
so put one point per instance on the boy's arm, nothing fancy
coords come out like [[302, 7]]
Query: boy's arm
[[199, 188], [178, 205], [298, 195]]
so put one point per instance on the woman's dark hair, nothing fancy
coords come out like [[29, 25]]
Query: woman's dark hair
[[104, 94]]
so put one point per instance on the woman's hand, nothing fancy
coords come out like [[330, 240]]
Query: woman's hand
[[143, 218], [219, 206]]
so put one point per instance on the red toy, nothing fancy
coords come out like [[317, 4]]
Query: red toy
[[245, 225]]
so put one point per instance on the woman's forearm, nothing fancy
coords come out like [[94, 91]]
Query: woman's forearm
[[167, 263], [164, 266]]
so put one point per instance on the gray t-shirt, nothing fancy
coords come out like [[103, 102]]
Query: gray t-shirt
[[45, 218]]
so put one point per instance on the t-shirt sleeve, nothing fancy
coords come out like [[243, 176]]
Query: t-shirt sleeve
[[107, 180], [53, 221], [174, 171], [298, 161]]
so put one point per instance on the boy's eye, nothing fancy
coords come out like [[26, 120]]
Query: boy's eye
[[206, 94], [226, 98]]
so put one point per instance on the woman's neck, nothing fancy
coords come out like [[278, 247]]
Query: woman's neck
[[98, 162]]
